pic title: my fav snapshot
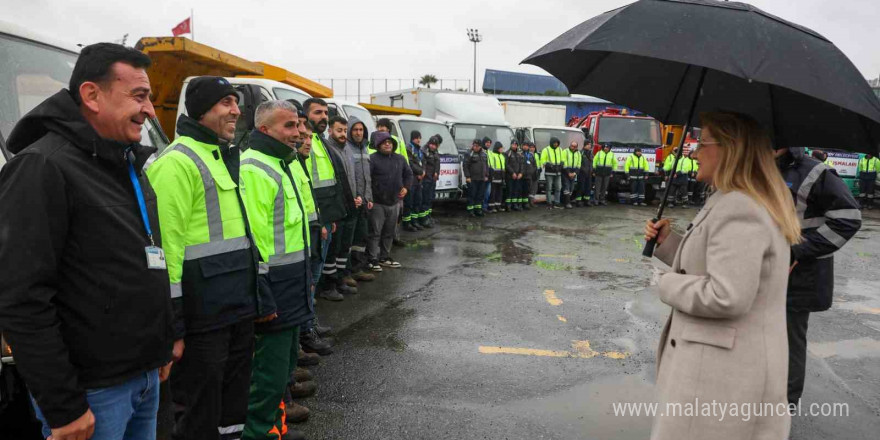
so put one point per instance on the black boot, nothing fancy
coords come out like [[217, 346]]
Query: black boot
[[567, 200], [407, 226], [312, 343]]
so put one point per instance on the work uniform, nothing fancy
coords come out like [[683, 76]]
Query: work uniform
[[212, 269], [696, 188], [476, 168], [531, 174], [431, 165], [585, 178], [829, 217], [279, 222], [679, 191], [868, 180], [327, 191], [604, 164], [515, 165], [497, 167], [412, 203], [636, 167], [571, 162], [551, 160]]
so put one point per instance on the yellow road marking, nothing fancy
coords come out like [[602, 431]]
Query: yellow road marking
[[871, 310], [550, 295], [579, 349], [561, 318]]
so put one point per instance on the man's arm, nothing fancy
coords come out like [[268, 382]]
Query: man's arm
[[407, 176], [33, 230], [841, 222]]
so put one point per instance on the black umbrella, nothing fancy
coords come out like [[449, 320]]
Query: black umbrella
[[673, 59]]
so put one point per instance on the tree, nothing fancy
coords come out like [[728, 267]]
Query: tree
[[427, 80]]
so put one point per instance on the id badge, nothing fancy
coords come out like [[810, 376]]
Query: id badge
[[155, 258]]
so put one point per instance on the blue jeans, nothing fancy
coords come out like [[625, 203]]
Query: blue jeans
[[316, 272], [488, 195], [123, 412]]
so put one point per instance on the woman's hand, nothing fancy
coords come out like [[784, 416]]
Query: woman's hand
[[660, 230]]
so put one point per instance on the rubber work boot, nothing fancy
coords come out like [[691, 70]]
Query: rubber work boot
[[304, 359], [301, 390], [295, 413]]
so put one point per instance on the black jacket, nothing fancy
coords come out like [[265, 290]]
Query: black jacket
[[476, 166], [331, 200], [284, 287], [829, 217], [390, 173], [515, 163], [415, 162], [431, 163], [530, 166], [344, 183], [77, 302]]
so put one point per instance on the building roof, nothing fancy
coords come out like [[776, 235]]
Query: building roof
[[573, 99], [500, 81]]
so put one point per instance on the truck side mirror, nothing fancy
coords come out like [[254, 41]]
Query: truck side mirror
[[670, 138], [249, 97]]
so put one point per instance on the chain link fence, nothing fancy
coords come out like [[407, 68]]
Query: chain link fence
[[360, 89]]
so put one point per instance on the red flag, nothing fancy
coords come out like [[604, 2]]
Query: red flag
[[182, 28]]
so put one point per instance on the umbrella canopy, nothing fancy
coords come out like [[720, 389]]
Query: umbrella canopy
[[652, 54]]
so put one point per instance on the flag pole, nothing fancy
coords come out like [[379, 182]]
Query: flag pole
[[192, 25]]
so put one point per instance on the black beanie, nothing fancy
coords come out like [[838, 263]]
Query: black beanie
[[205, 91]]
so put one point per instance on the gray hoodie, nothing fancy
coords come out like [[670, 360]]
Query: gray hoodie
[[357, 155]]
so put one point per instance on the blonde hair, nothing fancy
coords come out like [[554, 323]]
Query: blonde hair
[[747, 164]]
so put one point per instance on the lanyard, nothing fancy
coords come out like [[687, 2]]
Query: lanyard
[[140, 198]]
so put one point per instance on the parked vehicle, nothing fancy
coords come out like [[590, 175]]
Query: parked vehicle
[[541, 134], [524, 114], [347, 109], [449, 184]]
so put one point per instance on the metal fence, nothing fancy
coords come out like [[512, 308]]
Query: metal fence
[[360, 89]]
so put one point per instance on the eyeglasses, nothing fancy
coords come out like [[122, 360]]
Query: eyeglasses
[[701, 144]]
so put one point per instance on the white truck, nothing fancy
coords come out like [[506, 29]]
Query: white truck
[[524, 114], [541, 135], [469, 115], [347, 109], [448, 184]]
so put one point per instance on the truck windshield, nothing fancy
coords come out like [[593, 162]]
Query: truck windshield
[[566, 137], [428, 129], [30, 73], [466, 133], [629, 131], [362, 114]]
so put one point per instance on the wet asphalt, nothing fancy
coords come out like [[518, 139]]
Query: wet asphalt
[[530, 325]]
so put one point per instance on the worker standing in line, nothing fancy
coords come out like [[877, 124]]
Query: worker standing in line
[[431, 165], [636, 168], [571, 162], [279, 223], [515, 166], [551, 159], [487, 150], [476, 175], [210, 255], [692, 177], [678, 193], [531, 173], [497, 167], [585, 177], [867, 173], [383, 125], [356, 152], [604, 164], [333, 283], [413, 200]]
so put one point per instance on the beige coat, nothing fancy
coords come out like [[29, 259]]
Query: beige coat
[[726, 338]]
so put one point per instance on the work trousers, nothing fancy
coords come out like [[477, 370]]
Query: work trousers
[[412, 202], [358, 260], [602, 183], [584, 185], [497, 192], [867, 184], [488, 196], [568, 186], [797, 353], [346, 230], [637, 189], [429, 191], [275, 356], [517, 191], [330, 272], [532, 185], [554, 188], [476, 189], [211, 382], [383, 220]]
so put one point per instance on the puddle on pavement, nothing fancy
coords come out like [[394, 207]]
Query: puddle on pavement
[[848, 349]]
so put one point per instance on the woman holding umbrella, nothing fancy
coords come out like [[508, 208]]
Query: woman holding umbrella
[[725, 339]]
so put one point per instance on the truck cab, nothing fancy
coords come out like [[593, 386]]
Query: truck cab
[[624, 133], [449, 183], [541, 134], [347, 109]]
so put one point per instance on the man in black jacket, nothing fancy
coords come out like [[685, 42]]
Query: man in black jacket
[[829, 217], [431, 165], [84, 296], [390, 178], [476, 175], [413, 201], [515, 166]]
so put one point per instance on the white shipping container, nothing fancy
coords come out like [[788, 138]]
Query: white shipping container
[[527, 114]]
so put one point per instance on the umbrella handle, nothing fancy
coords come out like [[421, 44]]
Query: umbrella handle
[[648, 251]]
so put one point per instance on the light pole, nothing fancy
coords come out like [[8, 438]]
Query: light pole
[[475, 37]]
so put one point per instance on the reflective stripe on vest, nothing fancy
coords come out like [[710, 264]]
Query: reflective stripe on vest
[[217, 245], [603, 159], [280, 257], [317, 180], [868, 166]]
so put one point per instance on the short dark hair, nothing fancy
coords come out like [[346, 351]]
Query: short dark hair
[[308, 103], [96, 60], [384, 122], [415, 134], [338, 120]]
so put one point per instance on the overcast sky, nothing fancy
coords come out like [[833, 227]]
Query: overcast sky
[[395, 38]]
